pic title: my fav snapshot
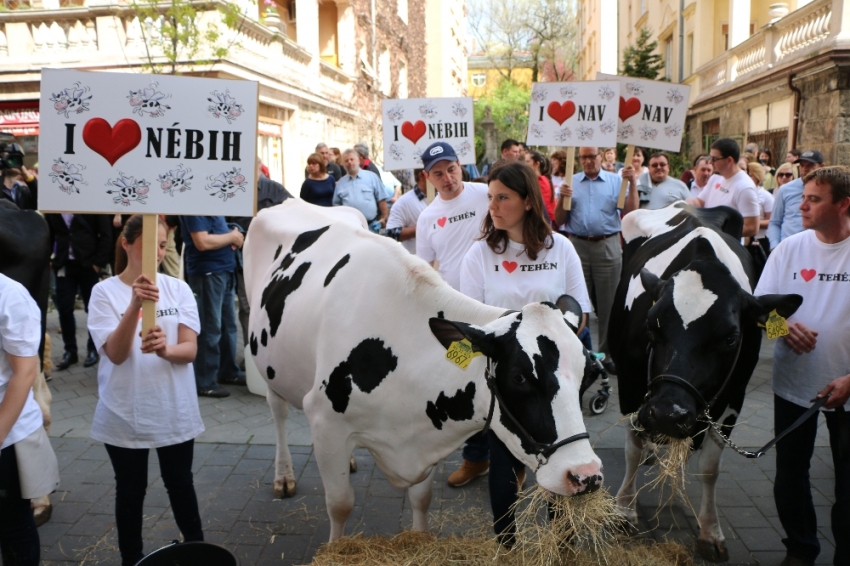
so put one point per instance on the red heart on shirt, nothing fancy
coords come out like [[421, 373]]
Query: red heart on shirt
[[413, 131], [808, 274], [561, 112], [628, 108], [509, 266], [441, 221]]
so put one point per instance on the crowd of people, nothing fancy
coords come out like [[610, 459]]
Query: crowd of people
[[506, 239]]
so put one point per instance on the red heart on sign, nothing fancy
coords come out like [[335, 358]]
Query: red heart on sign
[[808, 274], [628, 108], [112, 142], [441, 221], [509, 266], [561, 112], [413, 131]]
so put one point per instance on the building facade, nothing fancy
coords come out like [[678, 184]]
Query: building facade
[[323, 67], [598, 47]]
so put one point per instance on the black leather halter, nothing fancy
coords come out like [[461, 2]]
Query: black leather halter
[[540, 450]]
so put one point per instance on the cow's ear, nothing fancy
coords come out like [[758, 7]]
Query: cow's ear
[[652, 284], [785, 305], [449, 331], [571, 310]]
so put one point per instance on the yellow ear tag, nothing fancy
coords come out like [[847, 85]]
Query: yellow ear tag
[[776, 326], [461, 353]]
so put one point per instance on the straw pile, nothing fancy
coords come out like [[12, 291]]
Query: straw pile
[[670, 467]]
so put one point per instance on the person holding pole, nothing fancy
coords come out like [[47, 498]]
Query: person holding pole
[[593, 225], [146, 388]]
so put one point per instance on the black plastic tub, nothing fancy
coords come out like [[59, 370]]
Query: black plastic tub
[[190, 554]]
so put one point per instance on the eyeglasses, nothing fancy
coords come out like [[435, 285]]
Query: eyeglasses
[[784, 174], [715, 159], [658, 165], [588, 157]]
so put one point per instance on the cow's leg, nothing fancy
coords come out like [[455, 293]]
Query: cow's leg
[[420, 500], [626, 496], [711, 542], [284, 475], [333, 456]]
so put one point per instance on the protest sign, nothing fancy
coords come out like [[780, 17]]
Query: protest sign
[[574, 114], [412, 124], [153, 144]]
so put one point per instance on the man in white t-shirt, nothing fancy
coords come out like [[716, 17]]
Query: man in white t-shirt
[[814, 358], [405, 212], [729, 186], [702, 172], [445, 231]]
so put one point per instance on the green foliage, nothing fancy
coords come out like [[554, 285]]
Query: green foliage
[[509, 104], [172, 31], [640, 59]]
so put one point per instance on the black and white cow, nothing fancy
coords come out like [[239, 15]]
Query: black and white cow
[[355, 330], [684, 317]]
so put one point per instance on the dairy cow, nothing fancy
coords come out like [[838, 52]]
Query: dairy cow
[[355, 330], [685, 337]]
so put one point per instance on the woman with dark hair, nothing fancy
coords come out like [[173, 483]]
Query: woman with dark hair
[[146, 388], [558, 168], [318, 187], [518, 260], [765, 158], [540, 164]]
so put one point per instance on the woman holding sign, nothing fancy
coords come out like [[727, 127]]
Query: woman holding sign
[[518, 260], [146, 388]]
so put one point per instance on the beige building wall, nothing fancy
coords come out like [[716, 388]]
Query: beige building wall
[[598, 38], [445, 35]]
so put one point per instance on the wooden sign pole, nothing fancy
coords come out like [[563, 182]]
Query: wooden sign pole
[[150, 235], [568, 175], [431, 192], [630, 154]]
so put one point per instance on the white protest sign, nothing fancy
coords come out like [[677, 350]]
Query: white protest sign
[[412, 124], [652, 113], [137, 143], [574, 114]]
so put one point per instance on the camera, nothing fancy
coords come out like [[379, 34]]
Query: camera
[[11, 156]]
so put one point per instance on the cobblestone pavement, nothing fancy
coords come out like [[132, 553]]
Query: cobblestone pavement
[[234, 462]]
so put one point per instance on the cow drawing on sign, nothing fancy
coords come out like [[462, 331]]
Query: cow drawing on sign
[[128, 190], [365, 379], [148, 100], [224, 105], [227, 183], [71, 100], [67, 175], [175, 180]]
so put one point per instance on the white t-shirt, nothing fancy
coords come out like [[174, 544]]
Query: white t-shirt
[[20, 335], [447, 228], [511, 280], [405, 212], [765, 207], [738, 192], [695, 189], [820, 273], [146, 402]]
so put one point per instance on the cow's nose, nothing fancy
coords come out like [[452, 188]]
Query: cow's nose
[[586, 478]]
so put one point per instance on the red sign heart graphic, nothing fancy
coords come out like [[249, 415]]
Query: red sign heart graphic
[[808, 274], [628, 108], [112, 142], [413, 132], [561, 112], [509, 266], [441, 221]]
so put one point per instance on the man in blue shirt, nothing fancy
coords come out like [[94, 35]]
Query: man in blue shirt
[[362, 190], [593, 225], [786, 219], [211, 274]]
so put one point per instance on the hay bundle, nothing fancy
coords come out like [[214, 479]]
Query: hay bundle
[[670, 467]]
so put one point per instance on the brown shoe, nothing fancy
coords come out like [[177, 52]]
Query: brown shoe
[[467, 472]]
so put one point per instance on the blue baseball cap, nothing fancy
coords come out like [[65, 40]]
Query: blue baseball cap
[[436, 152]]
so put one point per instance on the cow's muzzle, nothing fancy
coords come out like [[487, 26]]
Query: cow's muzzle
[[667, 415]]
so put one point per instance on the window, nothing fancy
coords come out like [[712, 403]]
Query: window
[[402, 80], [479, 79], [668, 58], [328, 44], [642, 7]]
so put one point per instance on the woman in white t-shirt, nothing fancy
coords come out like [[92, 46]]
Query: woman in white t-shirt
[[518, 260], [20, 416], [757, 173], [146, 388]]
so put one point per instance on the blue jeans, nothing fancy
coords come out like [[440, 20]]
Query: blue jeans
[[793, 490], [216, 357], [476, 449], [586, 340], [504, 468]]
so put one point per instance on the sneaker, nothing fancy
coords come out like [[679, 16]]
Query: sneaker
[[234, 380], [467, 472], [217, 392]]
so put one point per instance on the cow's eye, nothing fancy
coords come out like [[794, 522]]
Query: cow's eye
[[731, 340], [519, 378]]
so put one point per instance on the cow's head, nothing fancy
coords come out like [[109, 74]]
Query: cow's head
[[695, 329], [538, 364]]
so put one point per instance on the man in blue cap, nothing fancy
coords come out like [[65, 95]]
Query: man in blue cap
[[445, 231]]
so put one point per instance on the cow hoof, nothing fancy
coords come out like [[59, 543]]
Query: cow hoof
[[352, 465], [42, 514], [284, 489], [712, 551]]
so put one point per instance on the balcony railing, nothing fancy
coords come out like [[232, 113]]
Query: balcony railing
[[809, 31]]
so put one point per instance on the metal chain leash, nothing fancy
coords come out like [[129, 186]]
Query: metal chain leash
[[717, 429]]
